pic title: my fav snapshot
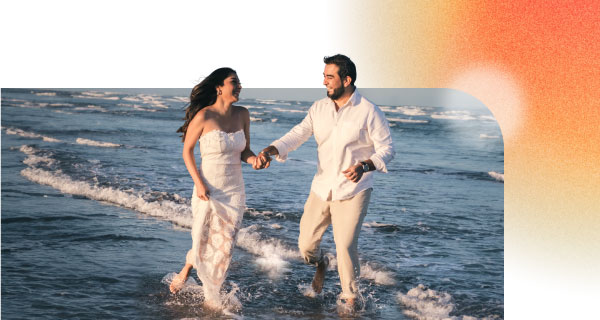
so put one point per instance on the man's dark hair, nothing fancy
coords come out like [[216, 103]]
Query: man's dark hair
[[347, 67]]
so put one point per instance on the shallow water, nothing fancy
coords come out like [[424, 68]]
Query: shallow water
[[95, 214]]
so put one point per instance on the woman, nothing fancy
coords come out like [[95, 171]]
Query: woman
[[218, 201]]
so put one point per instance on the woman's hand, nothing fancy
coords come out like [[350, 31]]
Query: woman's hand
[[260, 162], [202, 193]]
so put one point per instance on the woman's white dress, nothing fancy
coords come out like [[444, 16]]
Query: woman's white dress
[[217, 220]]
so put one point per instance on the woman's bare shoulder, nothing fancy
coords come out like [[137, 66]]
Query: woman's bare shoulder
[[241, 110]]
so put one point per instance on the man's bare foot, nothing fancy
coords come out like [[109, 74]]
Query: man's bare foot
[[317, 283], [350, 303], [177, 282]]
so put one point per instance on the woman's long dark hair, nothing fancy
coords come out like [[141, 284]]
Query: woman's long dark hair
[[204, 94]]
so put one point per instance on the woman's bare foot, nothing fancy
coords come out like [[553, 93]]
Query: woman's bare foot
[[317, 283], [177, 283], [180, 279], [347, 307]]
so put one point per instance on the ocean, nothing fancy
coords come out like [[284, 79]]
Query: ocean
[[96, 213]]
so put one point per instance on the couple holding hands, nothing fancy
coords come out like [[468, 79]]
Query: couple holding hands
[[353, 139]]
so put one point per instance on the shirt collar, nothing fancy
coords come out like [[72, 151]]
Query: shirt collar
[[354, 99]]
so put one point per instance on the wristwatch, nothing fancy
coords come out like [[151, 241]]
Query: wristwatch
[[365, 166]]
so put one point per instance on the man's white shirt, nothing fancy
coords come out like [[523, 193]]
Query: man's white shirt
[[358, 131]]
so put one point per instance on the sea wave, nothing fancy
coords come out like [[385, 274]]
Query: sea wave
[[151, 100], [496, 175], [425, 304], [96, 143], [405, 110], [486, 136], [289, 110], [91, 107], [25, 134], [406, 120], [32, 157], [46, 94], [177, 213], [271, 253], [381, 277], [453, 115], [367, 271], [97, 95]]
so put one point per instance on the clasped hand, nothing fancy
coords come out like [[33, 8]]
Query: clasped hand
[[261, 161]]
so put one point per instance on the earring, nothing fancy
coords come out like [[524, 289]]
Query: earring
[[219, 92]]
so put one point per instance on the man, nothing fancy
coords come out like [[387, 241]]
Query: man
[[353, 139]]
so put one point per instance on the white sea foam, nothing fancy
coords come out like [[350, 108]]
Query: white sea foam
[[5, 100], [19, 132], [132, 99], [91, 107], [61, 105], [153, 101], [405, 110], [496, 175], [485, 136], [453, 115], [99, 95], [96, 143], [412, 111], [406, 120], [137, 107], [178, 99], [177, 213], [274, 102], [289, 110], [29, 104], [47, 94], [62, 111], [274, 120], [375, 224], [491, 118], [271, 252], [307, 290], [254, 119], [229, 302], [381, 277], [426, 304], [28, 150], [94, 94], [32, 158]]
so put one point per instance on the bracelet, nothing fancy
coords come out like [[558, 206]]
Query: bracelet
[[365, 166]]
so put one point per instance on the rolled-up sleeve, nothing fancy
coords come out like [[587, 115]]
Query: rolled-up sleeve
[[379, 132], [294, 138]]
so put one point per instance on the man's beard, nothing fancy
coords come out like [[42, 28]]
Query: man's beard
[[337, 93]]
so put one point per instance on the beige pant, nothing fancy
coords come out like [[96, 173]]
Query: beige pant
[[346, 216]]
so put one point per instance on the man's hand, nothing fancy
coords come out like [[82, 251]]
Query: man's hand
[[264, 157], [354, 173]]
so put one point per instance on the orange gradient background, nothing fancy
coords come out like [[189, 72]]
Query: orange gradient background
[[536, 66]]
